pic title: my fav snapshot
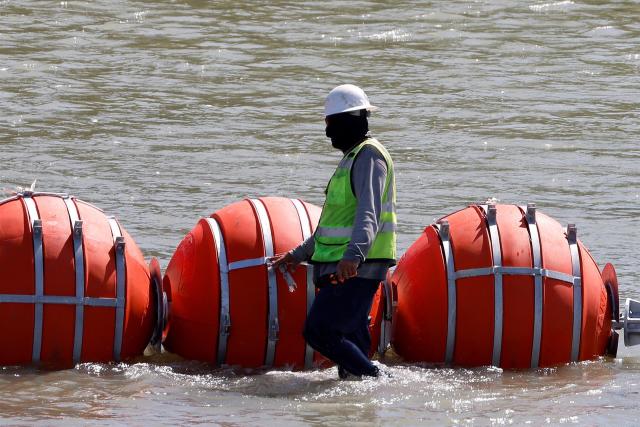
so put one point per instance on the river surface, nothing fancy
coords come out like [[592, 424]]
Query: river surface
[[164, 111]]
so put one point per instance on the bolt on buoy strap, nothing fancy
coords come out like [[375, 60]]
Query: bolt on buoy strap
[[78, 262], [305, 224], [490, 212], [273, 325], [38, 260], [119, 250], [572, 238], [445, 240], [223, 267]]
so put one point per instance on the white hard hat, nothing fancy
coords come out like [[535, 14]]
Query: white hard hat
[[345, 98]]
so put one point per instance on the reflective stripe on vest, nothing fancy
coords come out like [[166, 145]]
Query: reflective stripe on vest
[[346, 231], [338, 214]]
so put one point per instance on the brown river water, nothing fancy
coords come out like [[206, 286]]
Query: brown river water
[[161, 112]]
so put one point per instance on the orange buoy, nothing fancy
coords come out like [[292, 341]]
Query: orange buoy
[[501, 285], [74, 285], [226, 307]]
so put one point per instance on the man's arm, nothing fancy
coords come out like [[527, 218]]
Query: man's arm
[[305, 250], [368, 177]]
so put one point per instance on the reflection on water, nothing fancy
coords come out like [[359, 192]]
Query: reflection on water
[[161, 112]]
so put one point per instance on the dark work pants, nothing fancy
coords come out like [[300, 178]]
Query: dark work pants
[[338, 324]]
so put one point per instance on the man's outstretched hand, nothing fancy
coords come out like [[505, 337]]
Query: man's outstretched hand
[[346, 268], [285, 259]]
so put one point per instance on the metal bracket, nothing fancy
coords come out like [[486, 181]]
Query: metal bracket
[[305, 224], [444, 229], [498, 309], [572, 238], [445, 242], [37, 227], [631, 322], [225, 325], [491, 212], [274, 330], [121, 278], [387, 318], [77, 228], [119, 244], [531, 213], [572, 234], [267, 240], [221, 255]]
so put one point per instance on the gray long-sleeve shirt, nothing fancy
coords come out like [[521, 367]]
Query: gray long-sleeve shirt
[[368, 176]]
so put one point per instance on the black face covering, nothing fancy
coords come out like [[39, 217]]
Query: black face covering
[[346, 130]]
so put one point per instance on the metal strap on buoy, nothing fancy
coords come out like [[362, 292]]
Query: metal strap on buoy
[[119, 248], [273, 325], [10, 199], [79, 300], [498, 309], [305, 224], [225, 267], [38, 261], [498, 270], [78, 262], [536, 253], [572, 238], [445, 239], [225, 319], [387, 317]]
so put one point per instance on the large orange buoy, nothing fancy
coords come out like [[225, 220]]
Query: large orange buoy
[[74, 286], [501, 285], [226, 306]]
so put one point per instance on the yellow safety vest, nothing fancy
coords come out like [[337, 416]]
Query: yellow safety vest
[[336, 221]]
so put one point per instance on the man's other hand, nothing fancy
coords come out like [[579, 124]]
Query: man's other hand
[[347, 269]]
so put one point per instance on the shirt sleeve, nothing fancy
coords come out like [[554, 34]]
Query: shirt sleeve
[[304, 252], [368, 176]]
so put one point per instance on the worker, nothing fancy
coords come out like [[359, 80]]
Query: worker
[[355, 241]]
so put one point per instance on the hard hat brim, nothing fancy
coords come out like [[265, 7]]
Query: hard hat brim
[[356, 108]]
